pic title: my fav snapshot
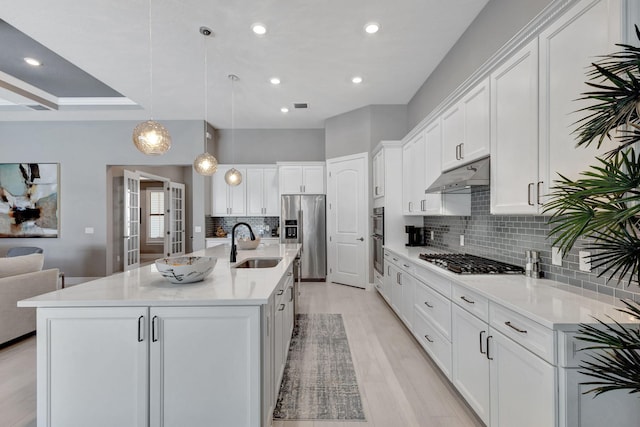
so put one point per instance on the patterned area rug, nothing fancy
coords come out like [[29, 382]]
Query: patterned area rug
[[319, 382]]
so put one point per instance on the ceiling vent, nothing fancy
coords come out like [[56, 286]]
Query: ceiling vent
[[300, 105]]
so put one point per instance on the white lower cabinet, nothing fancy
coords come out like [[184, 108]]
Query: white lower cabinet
[[141, 366], [283, 326], [523, 386], [470, 370]]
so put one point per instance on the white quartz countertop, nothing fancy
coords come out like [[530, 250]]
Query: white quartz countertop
[[553, 304], [145, 287]]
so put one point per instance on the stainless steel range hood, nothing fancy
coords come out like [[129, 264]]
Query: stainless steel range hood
[[461, 179]]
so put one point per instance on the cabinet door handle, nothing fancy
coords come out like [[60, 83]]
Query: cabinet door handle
[[140, 329], [538, 188], [281, 308], [280, 292], [154, 336], [468, 301], [398, 278], [388, 270], [488, 347], [509, 324], [291, 295], [529, 186], [481, 334], [427, 304], [428, 338], [457, 152], [410, 206], [461, 150]]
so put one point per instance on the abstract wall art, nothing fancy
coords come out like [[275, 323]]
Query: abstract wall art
[[29, 199]]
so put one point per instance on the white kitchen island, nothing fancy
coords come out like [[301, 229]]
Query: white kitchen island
[[133, 349]]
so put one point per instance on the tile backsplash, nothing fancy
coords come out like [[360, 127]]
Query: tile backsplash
[[261, 225], [506, 237]]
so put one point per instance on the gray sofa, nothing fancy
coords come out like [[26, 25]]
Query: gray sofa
[[14, 321]]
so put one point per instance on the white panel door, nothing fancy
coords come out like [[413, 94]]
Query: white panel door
[[432, 166], [348, 220], [476, 123], [131, 215], [452, 135], [567, 47], [220, 195], [205, 366], [92, 367], [176, 219], [514, 133], [237, 194]]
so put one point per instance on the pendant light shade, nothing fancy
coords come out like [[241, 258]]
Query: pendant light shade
[[151, 138], [205, 164], [233, 177]]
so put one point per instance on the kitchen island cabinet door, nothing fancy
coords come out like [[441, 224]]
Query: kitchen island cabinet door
[[470, 367], [523, 386], [205, 366], [92, 367]]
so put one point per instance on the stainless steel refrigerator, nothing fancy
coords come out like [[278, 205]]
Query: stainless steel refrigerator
[[303, 220]]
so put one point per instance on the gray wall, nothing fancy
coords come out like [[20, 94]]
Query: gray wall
[[360, 130], [256, 146], [498, 22], [84, 150]]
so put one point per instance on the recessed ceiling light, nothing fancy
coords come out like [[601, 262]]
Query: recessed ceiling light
[[275, 81], [372, 28], [357, 79], [33, 62], [284, 109], [259, 29]]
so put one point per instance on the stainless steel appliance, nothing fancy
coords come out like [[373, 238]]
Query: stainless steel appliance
[[378, 239], [471, 264], [303, 220]]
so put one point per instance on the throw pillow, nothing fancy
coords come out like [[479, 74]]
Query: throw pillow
[[13, 266]]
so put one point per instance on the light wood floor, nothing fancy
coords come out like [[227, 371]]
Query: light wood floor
[[399, 384]]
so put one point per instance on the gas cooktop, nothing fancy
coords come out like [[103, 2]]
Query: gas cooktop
[[471, 264]]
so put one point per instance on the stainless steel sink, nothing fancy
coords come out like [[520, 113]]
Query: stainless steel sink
[[258, 263]]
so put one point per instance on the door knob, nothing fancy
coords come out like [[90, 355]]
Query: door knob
[[361, 239]]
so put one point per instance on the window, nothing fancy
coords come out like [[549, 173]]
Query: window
[[155, 215]]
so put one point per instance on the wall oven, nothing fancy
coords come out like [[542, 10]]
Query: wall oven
[[378, 239]]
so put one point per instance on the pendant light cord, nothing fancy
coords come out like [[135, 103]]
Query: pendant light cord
[[150, 60], [233, 114], [206, 93]]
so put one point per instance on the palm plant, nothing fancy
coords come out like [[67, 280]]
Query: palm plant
[[603, 206]]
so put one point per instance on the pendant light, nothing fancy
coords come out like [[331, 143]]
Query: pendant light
[[151, 137], [233, 176], [205, 164]]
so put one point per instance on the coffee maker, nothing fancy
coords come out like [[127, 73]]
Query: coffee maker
[[417, 236]]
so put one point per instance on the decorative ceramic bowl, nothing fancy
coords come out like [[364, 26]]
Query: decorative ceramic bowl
[[186, 269], [246, 243]]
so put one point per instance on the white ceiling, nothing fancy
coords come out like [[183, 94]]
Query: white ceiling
[[314, 46]]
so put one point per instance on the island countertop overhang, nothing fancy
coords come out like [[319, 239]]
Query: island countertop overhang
[[144, 286]]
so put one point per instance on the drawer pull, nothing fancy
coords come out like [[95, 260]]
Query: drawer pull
[[140, 336], [428, 305], [522, 331], [406, 266], [281, 308], [280, 292], [428, 338], [468, 301], [395, 259], [481, 350]]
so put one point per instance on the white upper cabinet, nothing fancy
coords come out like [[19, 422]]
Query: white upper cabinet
[[301, 178], [432, 204], [262, 192], [228, 200], [378, 174], [413, 173], [514, 133], [465, 128], [567, 47]]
